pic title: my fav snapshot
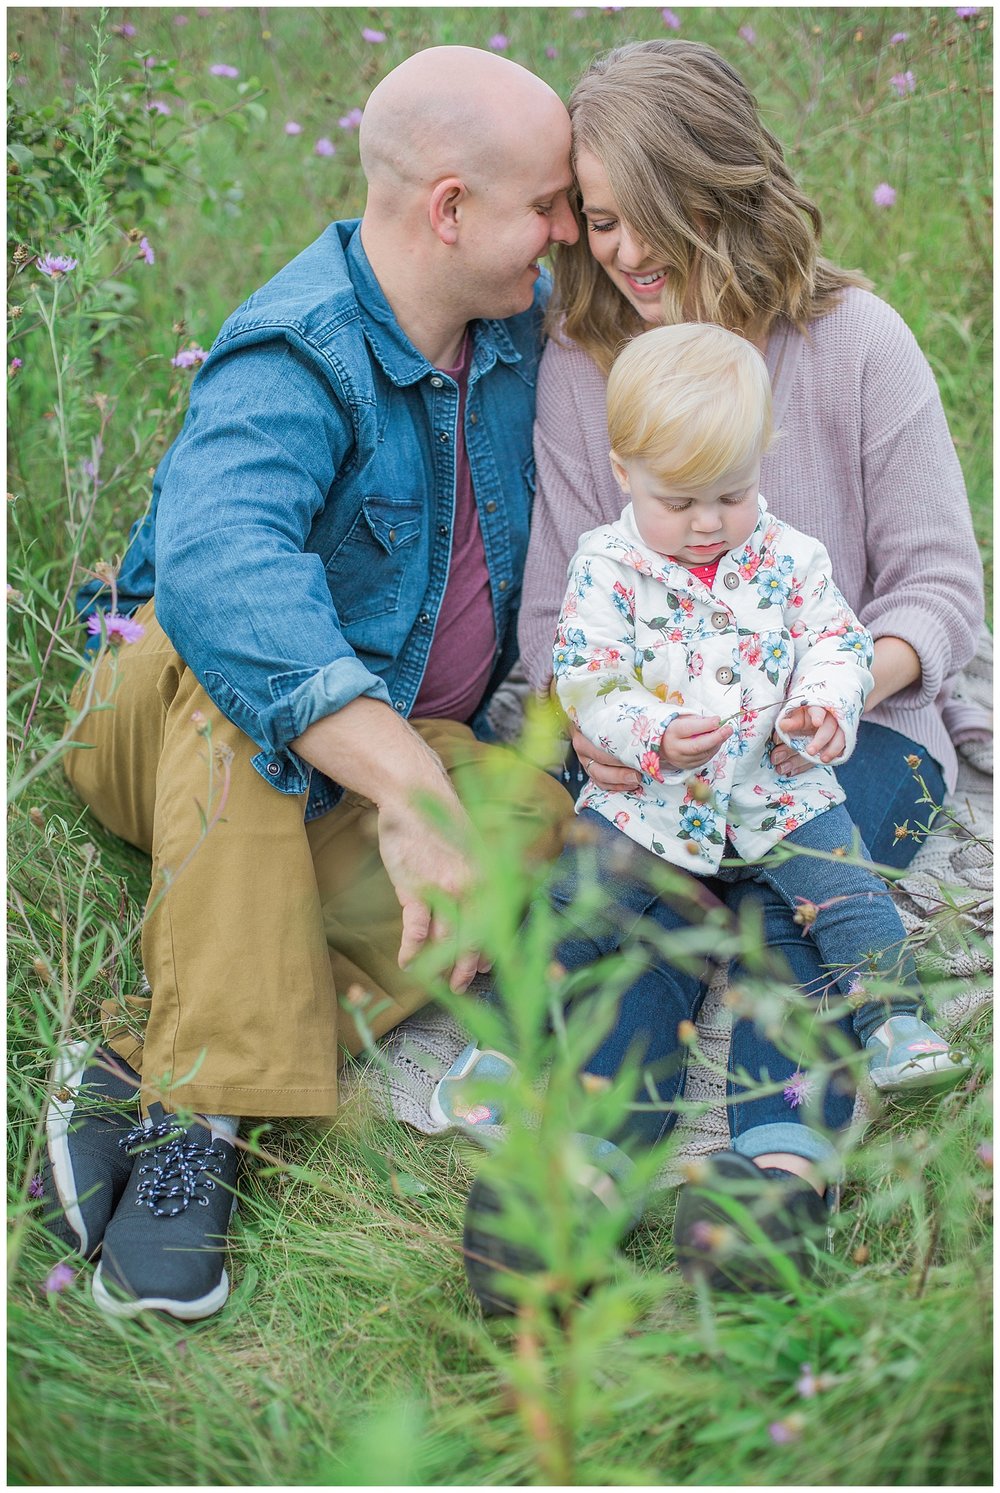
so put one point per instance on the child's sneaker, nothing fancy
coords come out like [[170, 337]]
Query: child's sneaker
[[456, 1103], [906, 1053]]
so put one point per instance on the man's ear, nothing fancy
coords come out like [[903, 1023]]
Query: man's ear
[[444, 208], [619, 472]]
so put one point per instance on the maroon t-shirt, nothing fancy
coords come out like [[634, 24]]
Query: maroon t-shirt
[[461, 658]]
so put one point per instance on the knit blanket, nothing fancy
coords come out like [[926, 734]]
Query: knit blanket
[[944, 900]]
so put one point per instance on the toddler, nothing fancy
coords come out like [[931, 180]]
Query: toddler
[[698, 631]]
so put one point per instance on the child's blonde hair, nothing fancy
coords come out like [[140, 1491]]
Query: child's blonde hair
[[692, 400]]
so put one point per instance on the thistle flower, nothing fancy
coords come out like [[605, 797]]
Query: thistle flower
[[223, 70], [985, 1153], [55, 265], [351, 120], [59, 1279], [36, 1189], [370, 35], [551, 53], [748, 34], [499, 43], [293, 127], [671, 19], [14, 365], [782, 1432], [157, 106], [898, 37], [146, 250], [119, 629], [324, 147], [966, 12], [797, 1090], [126, 30], [189, 357], [884, 195], [903, 83]]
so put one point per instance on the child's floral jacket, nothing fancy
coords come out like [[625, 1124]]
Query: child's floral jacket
[[641, 641]]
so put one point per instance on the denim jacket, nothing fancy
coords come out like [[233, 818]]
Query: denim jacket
[[300, 529]]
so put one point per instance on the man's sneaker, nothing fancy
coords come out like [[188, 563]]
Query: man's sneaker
[[164, 1250], [457, 1102], [492, 1256], [740, 1227], [84, 1171], [906, 1053]]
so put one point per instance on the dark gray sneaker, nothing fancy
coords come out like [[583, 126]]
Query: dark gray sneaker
[[164, 1250], [84, 1170]]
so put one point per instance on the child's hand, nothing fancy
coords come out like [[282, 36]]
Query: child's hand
[[820, 739], [692, 740]]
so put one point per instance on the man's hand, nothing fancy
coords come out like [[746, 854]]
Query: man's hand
[[606, 771], [824, 739], [367, 748], [692, 740], [416, 858]]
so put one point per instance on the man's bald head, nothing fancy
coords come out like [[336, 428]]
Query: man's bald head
[[452, 111]]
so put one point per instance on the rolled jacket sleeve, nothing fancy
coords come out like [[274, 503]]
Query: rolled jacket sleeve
[[241, 598]]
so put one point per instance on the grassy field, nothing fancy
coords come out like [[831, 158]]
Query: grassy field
[[350, 1352]]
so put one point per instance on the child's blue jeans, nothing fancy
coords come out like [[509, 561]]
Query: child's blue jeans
[[856, 929]]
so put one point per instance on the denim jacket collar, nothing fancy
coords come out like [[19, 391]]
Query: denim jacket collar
[[398, 358]]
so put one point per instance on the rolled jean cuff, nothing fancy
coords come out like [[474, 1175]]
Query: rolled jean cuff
[[793, 1140]]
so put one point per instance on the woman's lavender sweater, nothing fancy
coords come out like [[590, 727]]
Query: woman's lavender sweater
[[863, 460]]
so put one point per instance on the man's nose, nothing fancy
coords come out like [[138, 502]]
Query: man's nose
[[563, 228]]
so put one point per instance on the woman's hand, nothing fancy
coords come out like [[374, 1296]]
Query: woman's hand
[[606, 771]]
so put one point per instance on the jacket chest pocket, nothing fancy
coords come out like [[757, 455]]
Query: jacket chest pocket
[[366, 571]]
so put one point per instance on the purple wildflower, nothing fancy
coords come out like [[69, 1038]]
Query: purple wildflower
[[806, 1384], [189, 357], [59, 1279], [223, 70], [551, 53], [146, 250], [884, 195], [580, 13], [324, 147], [119, 629], [149, 61], [36, 1188], [748, 34], [898, 37], [351, 120], [157, 106], [966, 12], [368, 34], [671, 19], [782, 1432], [127, 30], [180, 20], [903, 83], [985, 1153], [55, 265], [499, 43], [14, 365], [797, 1090], [293, 127]]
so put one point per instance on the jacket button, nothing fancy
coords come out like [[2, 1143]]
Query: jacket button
[[400, 705], [425, 618], [491, 507], [437, 383], [443, 437], [473, 418], [273, 769], [731, 580], [720, 620], [442, 529], [724, 676], [502, 586], [392, 536]]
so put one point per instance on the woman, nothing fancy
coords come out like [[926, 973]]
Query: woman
[[689, 213]]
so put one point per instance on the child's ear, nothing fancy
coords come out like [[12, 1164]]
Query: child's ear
[[619, 471]]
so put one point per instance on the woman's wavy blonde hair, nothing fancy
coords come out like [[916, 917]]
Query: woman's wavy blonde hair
[[699, 179]]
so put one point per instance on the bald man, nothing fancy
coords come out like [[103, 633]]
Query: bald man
[[326, 585]]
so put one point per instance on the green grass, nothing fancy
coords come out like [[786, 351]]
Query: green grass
[[350, 1352]]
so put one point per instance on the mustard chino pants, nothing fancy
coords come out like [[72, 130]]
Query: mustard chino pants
[[255, 928]]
